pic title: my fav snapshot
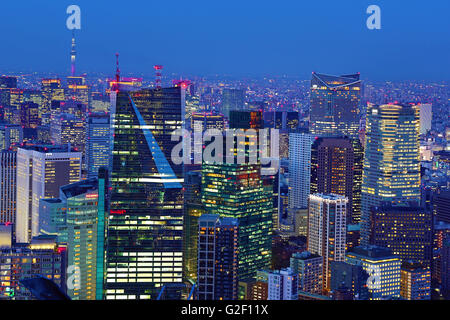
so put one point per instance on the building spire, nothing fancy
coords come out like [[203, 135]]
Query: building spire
[[73, 55]]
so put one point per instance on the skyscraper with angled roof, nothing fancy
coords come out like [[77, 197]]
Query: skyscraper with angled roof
[[335, 104], [145, 227]]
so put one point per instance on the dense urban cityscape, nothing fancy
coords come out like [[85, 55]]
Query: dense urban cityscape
[[161, 186]]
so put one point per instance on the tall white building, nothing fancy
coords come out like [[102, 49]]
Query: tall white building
[[8, 166], [41, 171], [282, 285], [327, 230], [426, 115], [299, 169]]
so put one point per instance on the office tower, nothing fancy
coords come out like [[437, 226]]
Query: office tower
[[145, 225], [51, 91], [445, 268], [283, 120], [332, 168], [29, 115], [43, 256], [383, 268], [10, 135], [327, 230], [202, 121], [282, 285], [97, 142], [8, 172], [415, 281], [406, 230], [425, 115], [73, 218], [41, 171], [102, 223], [353, 277], [232, 99], [299, 169], [77, 93], [441, 202], [309, 268], [217, 258], [245, 120], [237, 191], [391, 159], [441, 231], [67, 128], [193, 210], [358, 164], [335, 104]]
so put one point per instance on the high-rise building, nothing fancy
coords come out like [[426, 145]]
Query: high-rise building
[[335, 104], [391, 159], [327, 230], [441, 206], [406, 230], [382, 267], [51, 91], [73, 218], [415, 281], [352, 277], [426, 115], [193, 210], [41, 171], [217, 277], [239, 119], [299, 169], [8, 173], [445, 267], [232, 99], [332, 169], [10, 135], [67, 128], [237, 191], [43, 256], [145, 225], [309, 268], [97, 142], [202, 121]]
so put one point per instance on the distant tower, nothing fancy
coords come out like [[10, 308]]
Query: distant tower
[[158, 75], [73, 55]]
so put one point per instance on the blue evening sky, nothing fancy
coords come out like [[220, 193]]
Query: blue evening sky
[[245, 37]]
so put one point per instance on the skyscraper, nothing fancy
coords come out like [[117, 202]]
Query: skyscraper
[[97, 142], [415, 281], [73, 218], [67, 128], [332, 168], [299, 169], [391, 159], [232, 99], [217, 277], [327, 230], [41, 171], [10, 135], [145, 226], [406, 230], [8, 172], [335, 104]]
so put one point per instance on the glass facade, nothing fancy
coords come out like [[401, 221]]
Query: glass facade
[[145, 226]]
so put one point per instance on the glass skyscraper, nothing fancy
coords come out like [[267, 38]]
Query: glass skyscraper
[[145, 227], [391, 160], [335, 104]]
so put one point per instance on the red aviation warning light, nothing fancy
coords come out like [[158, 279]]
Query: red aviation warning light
[[158, 75]]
